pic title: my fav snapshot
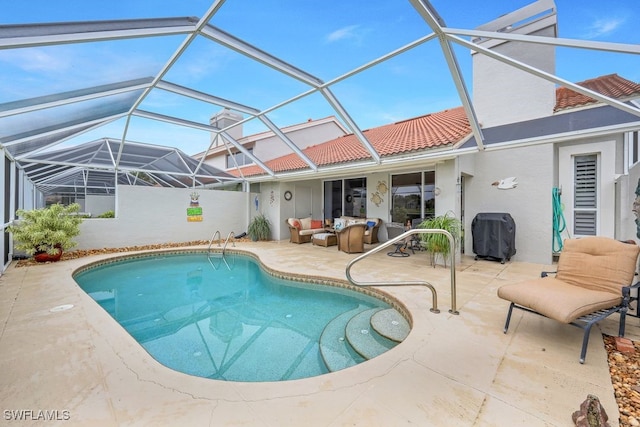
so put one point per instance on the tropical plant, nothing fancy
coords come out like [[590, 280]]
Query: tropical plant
[[437, 243], [107, 214], [259, 228], [49, 229]]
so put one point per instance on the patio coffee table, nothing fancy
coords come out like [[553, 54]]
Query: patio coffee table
[[324, 239]]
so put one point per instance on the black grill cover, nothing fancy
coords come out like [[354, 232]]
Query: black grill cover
[[494, 236]]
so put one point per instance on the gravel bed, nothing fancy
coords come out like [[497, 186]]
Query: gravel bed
[[625, 377]]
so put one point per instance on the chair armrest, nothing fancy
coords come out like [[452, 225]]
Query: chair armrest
[[292, 229], [626, 290]]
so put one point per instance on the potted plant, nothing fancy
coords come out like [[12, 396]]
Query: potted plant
[[437, 243], [259, 228], [45, 233]]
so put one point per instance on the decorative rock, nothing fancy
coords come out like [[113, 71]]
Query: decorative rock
[[591, 414], [625, 379]]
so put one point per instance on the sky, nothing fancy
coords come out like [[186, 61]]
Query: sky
[[325, 39]]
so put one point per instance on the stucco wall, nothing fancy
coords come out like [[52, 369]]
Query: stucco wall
[[273, 147], [159, 215], [627, 186], [529, 204], [505, 94], [98, 205]]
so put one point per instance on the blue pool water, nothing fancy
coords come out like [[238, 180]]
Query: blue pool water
[[222, 320]]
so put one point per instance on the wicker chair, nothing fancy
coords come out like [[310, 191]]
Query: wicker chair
[[592, 282], [351, 238]]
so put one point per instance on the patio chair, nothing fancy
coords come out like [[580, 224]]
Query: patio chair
[[394, 229], [351, 238], [416, 241], [592, 281]]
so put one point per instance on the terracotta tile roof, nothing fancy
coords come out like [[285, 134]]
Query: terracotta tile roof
[[445, 128], [611, 85]]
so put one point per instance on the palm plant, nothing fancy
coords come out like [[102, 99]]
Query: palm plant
[[438, 243], [49, 230], [259, 228]]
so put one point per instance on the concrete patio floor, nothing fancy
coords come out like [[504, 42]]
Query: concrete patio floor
[[452, 370]]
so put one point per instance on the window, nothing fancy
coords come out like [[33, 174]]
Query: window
[[585, 206], [345, 197], [413, 196], [240, 159]]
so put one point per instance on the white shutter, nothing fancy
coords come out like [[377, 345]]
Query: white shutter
[[585, 209]]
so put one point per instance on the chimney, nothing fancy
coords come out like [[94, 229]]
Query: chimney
[[226, 118], [505, 94]]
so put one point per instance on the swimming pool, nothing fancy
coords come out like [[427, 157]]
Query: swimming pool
[[232, 320]]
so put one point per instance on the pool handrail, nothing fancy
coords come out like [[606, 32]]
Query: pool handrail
[[231, 236], [233, 242], [403, 236], [217, 233]]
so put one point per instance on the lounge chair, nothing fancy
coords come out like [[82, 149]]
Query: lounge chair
[[593, 281]]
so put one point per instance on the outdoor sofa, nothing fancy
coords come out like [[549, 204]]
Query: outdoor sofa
[[302, 229]]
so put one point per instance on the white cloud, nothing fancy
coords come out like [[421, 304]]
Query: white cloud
[[603, 27], [35, 60], [344, 33]]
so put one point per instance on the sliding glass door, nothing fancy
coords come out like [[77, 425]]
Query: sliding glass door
[[345, 197], [412, 196]]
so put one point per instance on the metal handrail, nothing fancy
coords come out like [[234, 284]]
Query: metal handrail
[[212, 238], [452, 245], [233, 242], [231, 236]]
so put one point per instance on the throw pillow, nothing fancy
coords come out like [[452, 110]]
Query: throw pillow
[[370, 224], [316, 223], [338, 224], [306, 223], [296, 224]]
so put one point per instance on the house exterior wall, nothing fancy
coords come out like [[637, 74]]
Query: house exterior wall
[[606, 150], [530, 203], [271, 147], [306, 200], [448, 201], [626, 186], [149, 215], [504, 94]]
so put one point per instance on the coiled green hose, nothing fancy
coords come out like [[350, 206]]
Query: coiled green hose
[[559, 223]]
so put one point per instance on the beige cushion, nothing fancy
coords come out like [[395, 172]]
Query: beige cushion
[[591, 274], [556, 299], [598, 263], [306, 223]]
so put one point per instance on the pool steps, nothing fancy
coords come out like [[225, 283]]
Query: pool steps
[[390, 324], [361, 334]]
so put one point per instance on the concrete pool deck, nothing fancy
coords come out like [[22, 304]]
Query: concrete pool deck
[[82, 368]]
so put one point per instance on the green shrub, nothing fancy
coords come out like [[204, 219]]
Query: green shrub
[[107, 214], [47, 229]]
